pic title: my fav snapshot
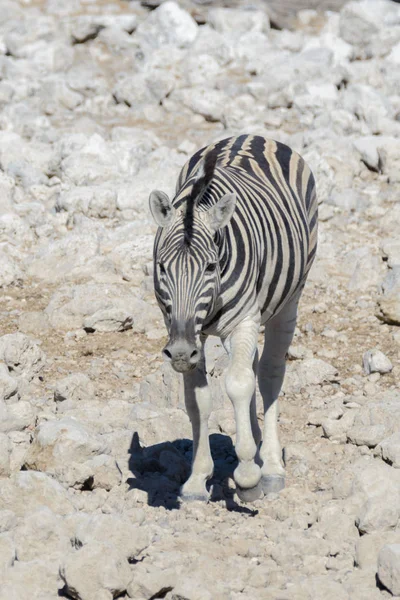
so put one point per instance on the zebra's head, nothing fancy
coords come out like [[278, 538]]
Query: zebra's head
[[187, 271]]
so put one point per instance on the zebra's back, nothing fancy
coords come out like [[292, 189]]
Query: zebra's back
[[269, 245]]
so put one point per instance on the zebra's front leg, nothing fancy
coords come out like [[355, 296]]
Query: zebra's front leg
[[198, 405], [241, 346], [271, 371]]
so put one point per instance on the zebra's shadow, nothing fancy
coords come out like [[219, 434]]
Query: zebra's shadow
[[161, 469]]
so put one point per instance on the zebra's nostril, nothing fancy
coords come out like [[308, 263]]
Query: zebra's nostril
[[167, 353], [195, 355]]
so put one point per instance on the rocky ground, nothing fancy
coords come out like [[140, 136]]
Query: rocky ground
[[100, 104]]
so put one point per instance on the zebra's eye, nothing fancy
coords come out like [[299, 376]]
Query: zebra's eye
[[162, 268], [211, 268]]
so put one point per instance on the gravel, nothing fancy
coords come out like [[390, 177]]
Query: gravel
[[100, 104]]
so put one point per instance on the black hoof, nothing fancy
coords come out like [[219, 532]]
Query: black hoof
[[194, 497], [249, 494], [272, 484]]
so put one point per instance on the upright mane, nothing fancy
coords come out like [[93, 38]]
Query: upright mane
[[203, 176]]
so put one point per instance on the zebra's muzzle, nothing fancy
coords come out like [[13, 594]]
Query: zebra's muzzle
[[182, 355]]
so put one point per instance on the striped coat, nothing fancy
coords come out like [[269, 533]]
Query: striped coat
[[268, 247]]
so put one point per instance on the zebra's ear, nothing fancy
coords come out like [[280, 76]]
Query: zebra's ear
[[220, 214], [161, 208]]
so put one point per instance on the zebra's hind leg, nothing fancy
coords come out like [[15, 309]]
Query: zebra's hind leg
[[241, 346], [198, 405], [271, 371]]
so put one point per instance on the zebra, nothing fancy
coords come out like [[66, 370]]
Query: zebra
[[232, 252]]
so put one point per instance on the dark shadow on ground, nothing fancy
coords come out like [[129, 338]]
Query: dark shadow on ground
[[161, 469]]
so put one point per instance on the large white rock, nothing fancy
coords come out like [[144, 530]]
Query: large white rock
[[71, 306], [391, 251], [374, 361], [41, 534], [368, 546], [28, 490], [167, 25], [375, 420], [5, 451], [16, 416], [389, 448], [238, 21], [10, 272], [369, 105], [62, 258], [59, 443], [94, 163], [7, 552], [34, 579], [389, 300], [311, 371], [23, 357], [389, 567], [93, 201], [117, 530], [97, 571], [74, 388], [379, 488], [8, 385]]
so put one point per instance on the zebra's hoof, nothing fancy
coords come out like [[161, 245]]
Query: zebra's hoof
[[187, 497], [249, 494], [272, 484]]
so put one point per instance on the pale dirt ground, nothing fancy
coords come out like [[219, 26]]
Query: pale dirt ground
[[301, 545]]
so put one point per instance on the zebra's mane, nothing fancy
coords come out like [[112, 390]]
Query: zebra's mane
[[203, 176]]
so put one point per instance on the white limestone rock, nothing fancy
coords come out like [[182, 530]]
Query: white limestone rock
[[369, 104], [208, 103], [70, 306], [23, 357], [14, 230], [74, 388], [376, 420], [97, 571], [93, 201], [94, 163], [368, 547], [8, 385], [7, 551], [365, 23], [311, 371], [134, 92], [104, 472], [116, 530], [56, 93], [168, 25], [389, 300], [237, 21], [5, 451], [41, 534], [111, 319], [32, 579], [16, 416], [389, 448], [10, 272], [33, 323], [391, 251], [379, 487], [389, 567], [374, 361], [63, 442], [367, 147], [27, 491], [366, 435]]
